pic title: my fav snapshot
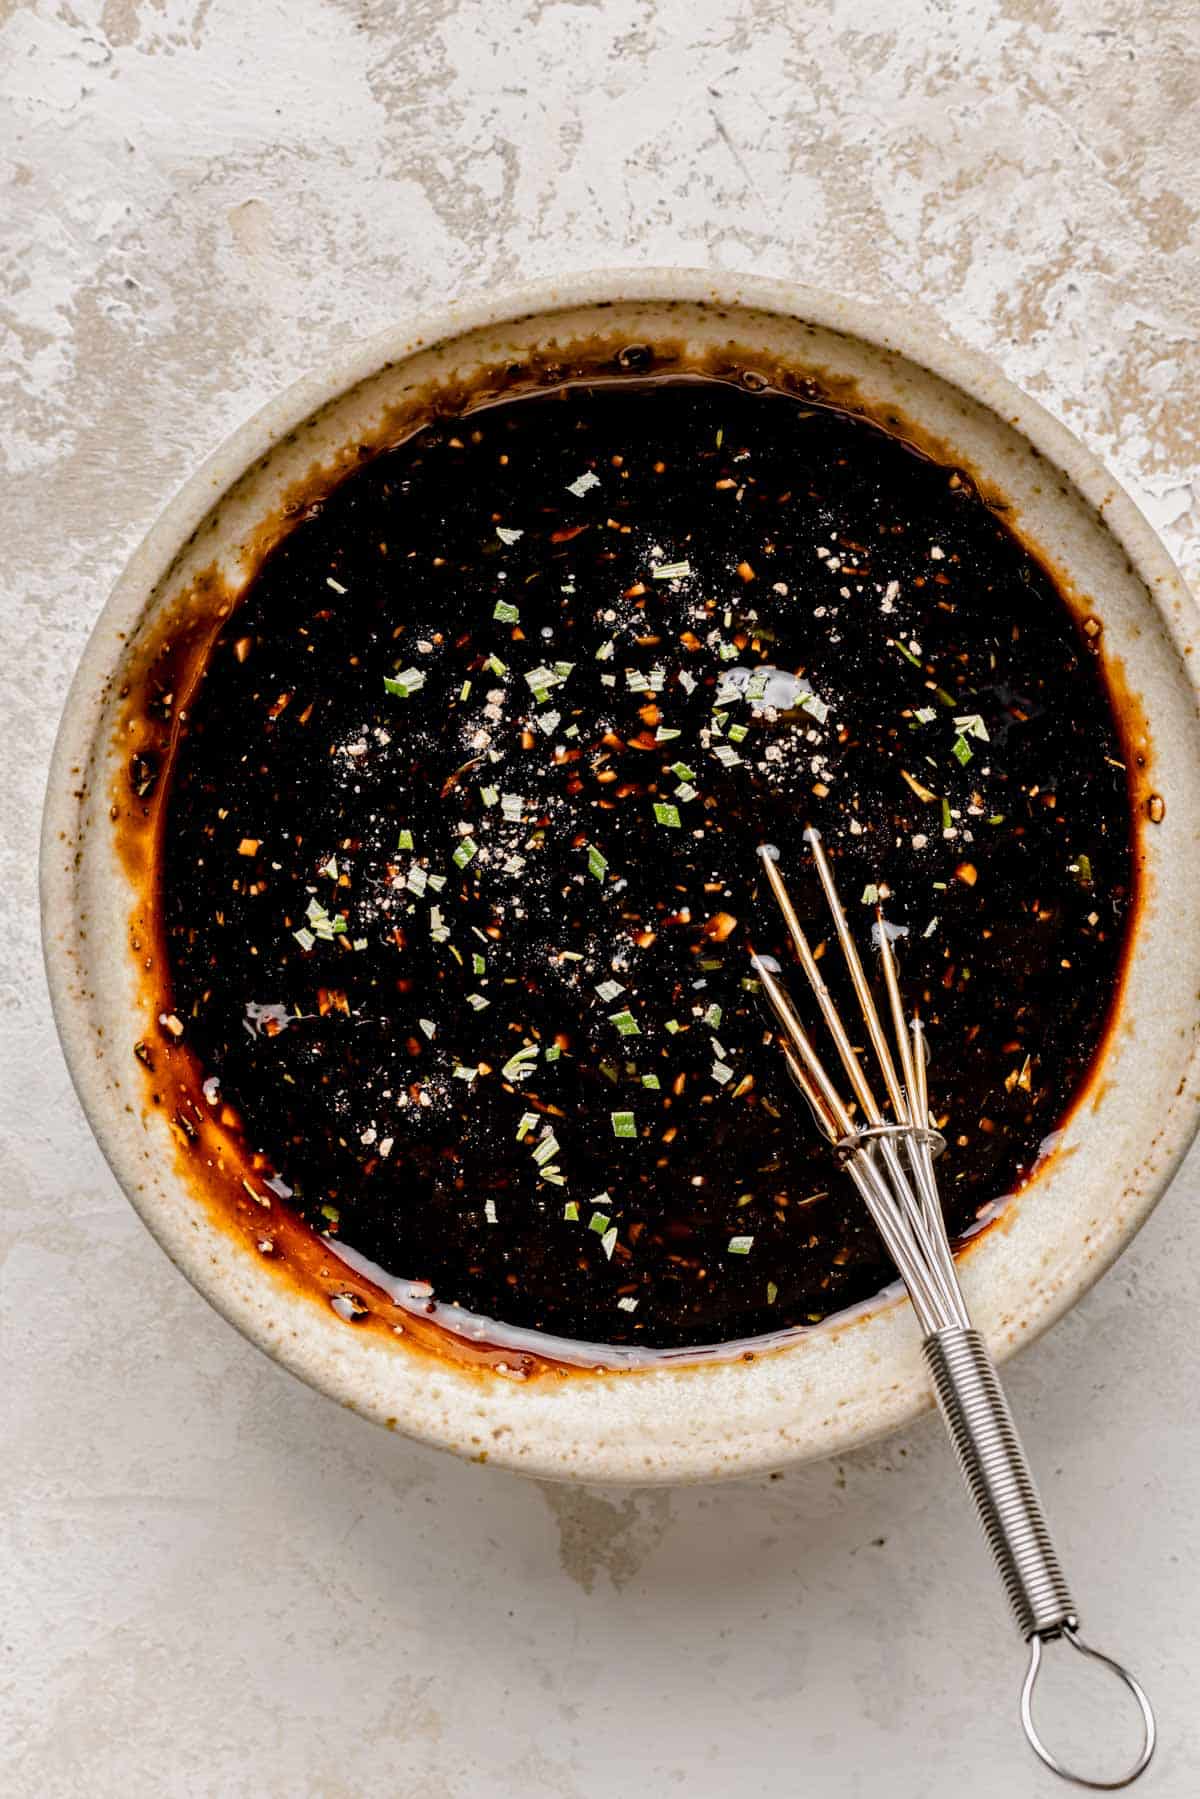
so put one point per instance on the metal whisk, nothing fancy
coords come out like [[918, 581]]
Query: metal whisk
[[890, 1160]]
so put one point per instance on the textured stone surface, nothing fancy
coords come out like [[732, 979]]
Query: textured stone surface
[[215, 1582]]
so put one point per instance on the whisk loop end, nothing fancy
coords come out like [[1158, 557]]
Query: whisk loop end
[[1070, 1632], [900, 1192]]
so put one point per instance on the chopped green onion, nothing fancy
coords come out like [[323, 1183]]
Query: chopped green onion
[[507, 613], [596, 863], [651, 1080], [962, 749], [740, 1246], [667, 814], [404, 841], [671, 571], [304, 938], [599, 1221], [519, 1065], [408, 682], [624, 1124], [626, 1023], [972, 725], [466, 852], [571, 1211], [507, 535]]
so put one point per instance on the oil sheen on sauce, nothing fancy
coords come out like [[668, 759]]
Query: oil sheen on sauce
[[459, 881]]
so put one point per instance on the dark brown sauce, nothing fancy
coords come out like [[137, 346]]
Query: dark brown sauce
[[889, 600]]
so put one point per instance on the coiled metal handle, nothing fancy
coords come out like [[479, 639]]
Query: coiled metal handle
[[997, 1475], [999, 1480]]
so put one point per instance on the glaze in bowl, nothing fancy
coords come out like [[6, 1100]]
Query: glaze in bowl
[[686, 1417]]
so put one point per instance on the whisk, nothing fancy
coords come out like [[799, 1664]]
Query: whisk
[[890, 1159]]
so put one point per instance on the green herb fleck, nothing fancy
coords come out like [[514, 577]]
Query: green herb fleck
[[521, 1064]]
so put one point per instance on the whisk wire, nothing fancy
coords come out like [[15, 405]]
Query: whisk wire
[[906, 1211]]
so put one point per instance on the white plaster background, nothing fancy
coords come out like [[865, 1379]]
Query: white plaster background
[[213, 1581]]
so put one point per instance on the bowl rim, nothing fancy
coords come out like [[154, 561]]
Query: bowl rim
[[903, 331]]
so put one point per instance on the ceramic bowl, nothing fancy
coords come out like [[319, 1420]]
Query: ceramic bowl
[[822, 1390]]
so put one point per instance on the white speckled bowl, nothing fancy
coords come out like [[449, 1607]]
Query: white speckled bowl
[[843, 1383]]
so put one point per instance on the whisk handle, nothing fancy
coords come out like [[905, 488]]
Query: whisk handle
[[993, 1465], [999, 1480]]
